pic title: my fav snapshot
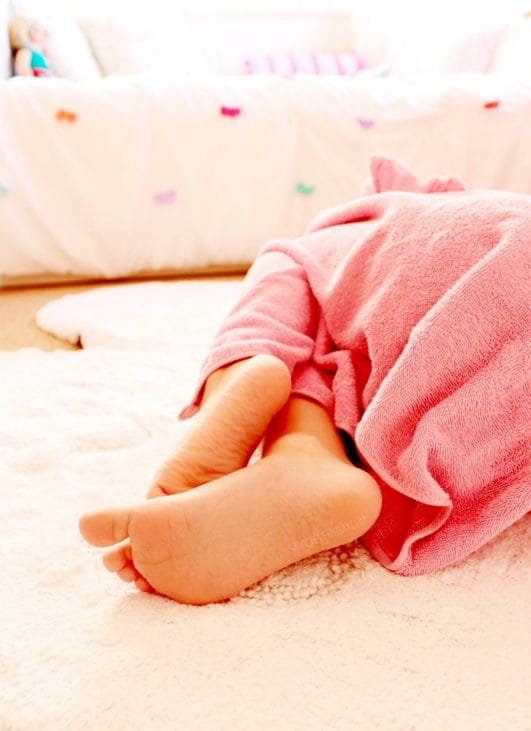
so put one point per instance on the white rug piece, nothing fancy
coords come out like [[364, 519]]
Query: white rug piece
[[147, 315], [334, 642]]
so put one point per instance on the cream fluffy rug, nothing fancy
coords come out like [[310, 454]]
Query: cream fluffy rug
[[336, 642]]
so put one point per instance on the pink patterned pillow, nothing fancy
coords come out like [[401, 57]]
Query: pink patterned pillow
[[342, 64]]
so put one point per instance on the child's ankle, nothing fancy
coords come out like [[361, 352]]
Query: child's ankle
[[304, 443]]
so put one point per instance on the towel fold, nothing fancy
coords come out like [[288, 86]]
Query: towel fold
[[405, 313]]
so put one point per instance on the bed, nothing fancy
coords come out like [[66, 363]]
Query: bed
[[192, 169], [126, 176]]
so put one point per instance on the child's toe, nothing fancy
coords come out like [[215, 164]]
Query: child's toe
[[143, 585], [119, 560], [128, 574], [105, 527], [118, 557]]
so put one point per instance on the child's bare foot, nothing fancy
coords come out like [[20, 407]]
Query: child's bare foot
[[241, 400], [207, 545]]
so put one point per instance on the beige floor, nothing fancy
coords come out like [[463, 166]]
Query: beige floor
[[17, 316], [18, 307]]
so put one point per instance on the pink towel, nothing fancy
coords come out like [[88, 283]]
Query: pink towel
[[406, 314]]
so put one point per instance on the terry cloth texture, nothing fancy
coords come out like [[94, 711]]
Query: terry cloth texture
[[405, 313]]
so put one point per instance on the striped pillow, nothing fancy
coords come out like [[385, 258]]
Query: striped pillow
[[341, 64]]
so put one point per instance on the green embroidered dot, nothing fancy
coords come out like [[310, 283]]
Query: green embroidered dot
[[305, 189], [4, 190]]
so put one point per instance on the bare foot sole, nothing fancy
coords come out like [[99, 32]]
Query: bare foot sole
[[207, 545], [230, 425]]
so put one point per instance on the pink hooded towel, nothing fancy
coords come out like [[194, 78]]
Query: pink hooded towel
[[405, 313]]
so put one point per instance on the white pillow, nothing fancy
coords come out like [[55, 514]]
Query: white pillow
[[513, 57], [69, 54], [158, 44], [439, 47], [415, 36], [472, 49]]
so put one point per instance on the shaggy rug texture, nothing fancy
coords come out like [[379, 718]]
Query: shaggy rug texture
[[334, 642]]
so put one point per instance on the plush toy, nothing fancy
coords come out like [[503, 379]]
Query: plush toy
[[28, 40]]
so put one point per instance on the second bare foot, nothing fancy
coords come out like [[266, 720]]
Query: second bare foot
[[241, 400], [207, 545]]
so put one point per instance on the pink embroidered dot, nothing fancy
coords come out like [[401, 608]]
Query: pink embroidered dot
[[365, 122], [230, 111], [165, 197], [492, 104]]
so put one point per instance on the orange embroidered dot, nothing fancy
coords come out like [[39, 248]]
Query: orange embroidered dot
[[63, 115]]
